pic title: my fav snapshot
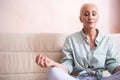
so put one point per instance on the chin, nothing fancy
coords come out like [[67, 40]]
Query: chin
[[92, 26]]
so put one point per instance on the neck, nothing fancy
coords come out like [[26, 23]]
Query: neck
[[90, 33]]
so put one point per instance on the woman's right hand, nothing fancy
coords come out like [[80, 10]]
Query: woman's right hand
[[44, 61]]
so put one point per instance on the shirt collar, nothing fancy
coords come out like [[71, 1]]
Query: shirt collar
[[98, 38]]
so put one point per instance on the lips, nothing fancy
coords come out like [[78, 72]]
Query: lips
[[90, 22]]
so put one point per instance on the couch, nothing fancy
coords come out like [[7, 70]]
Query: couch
[[18, 52]]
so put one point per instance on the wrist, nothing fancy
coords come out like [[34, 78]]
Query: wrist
[[53, 64]]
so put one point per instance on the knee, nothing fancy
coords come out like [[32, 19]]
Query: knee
[[53, 70], [54, 73]]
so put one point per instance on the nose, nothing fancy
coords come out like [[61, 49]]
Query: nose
[[90, 17]]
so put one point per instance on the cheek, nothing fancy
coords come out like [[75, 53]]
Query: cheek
[[96, 20], [97, 17], [83, 19]]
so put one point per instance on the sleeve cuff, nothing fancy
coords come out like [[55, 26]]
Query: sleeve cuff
[[111, 67], [68, 65]]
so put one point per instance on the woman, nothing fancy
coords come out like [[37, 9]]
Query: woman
[[87, 53]]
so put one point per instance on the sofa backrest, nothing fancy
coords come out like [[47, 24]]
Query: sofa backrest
[[32, 42], [39, 42]]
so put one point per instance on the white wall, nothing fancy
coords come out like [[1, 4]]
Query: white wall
[[44, 16]]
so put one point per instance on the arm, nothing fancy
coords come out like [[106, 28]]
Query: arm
[[67, 61], [112, 58], [67, 55], [45, 62]]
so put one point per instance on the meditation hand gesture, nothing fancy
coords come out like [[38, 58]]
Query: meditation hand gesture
[[44, 61]]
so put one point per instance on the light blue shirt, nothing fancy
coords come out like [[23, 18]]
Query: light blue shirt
[[78, 56]]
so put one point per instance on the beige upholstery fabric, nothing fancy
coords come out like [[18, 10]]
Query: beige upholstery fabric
[[18, 52], [31, 42]]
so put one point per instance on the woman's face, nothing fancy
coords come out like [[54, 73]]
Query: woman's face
[[89, 16]]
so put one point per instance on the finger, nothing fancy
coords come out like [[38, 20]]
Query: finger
[[37, 58], [46, 62], [42, 61]]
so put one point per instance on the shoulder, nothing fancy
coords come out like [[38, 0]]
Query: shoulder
[[74, 35], [107, 38]]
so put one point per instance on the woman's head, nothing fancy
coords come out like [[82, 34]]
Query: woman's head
[[89, 15]]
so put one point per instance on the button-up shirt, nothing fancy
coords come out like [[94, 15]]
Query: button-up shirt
[[77, 54]]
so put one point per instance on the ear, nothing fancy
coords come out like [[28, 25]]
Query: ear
[[80, 18]]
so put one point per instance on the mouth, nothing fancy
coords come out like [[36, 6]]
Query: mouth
[[90, 22]]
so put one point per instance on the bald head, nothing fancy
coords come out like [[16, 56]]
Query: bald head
[[87, 6], [89, 15]]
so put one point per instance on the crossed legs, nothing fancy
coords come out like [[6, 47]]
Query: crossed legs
[[115, 76], [59, 74]]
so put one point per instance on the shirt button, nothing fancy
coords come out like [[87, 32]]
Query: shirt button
[[90, 66]]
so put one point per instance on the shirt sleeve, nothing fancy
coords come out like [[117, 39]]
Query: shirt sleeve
[[112, 57], [67, 55]]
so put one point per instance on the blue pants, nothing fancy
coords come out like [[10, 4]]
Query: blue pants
[[59, 74]]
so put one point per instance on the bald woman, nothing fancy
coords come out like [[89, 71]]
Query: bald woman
[[87, 53]]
